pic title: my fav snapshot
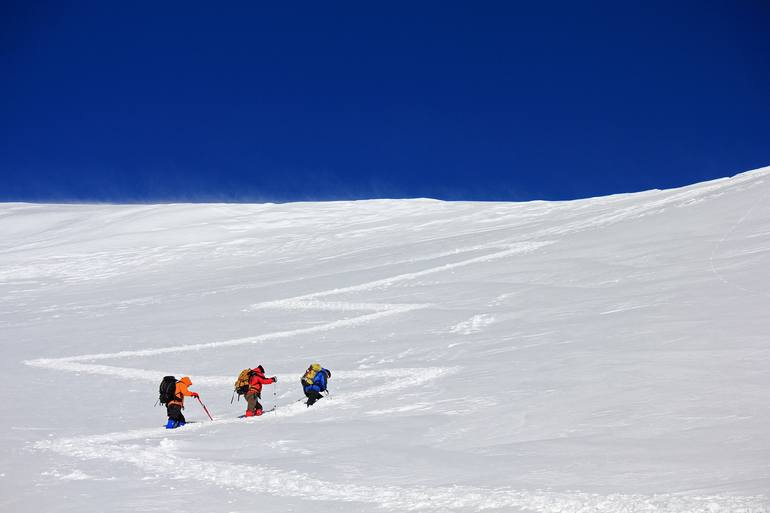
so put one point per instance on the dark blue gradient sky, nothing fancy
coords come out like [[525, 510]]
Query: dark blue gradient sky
[[231, 101]]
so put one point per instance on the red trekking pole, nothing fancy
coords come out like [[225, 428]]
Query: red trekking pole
[[204, 408]]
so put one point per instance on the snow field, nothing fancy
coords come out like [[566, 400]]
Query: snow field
[[599, 355]]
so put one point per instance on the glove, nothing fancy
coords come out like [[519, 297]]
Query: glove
[[195, 395], [275, 379]]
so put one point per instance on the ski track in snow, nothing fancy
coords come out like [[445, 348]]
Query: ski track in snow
[[157, 458], [342, 323]]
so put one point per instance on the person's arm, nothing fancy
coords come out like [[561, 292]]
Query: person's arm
[[265, 381], [185, 391]]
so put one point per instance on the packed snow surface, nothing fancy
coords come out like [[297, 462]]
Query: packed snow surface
[[603, 355]]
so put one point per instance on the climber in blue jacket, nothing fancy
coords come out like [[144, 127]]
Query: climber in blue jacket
[[314, 381]]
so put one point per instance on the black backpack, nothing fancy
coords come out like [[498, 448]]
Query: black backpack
[[167, 390]]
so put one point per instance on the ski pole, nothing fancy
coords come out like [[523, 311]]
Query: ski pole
[[204, 408], [275, 406]]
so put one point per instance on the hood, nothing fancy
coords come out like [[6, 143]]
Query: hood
[[259, 369], [186, 380]]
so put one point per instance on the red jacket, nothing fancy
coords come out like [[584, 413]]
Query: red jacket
[[256, 382]]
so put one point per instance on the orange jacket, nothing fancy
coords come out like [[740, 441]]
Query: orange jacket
[[182, 390]]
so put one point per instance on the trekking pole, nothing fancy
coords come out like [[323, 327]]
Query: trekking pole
[[232, 397], [275, 406], [204, 408]]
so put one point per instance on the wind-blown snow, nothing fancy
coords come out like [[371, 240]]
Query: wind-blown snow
[[602, 355]]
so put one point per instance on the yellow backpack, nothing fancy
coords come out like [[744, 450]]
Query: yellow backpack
[[242, 383], [307, 378]]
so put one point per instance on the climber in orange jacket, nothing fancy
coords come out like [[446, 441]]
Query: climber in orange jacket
[[174, 408]]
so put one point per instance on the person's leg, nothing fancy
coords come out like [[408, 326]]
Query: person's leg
[[170, 412], [251, 402], [312, 396], [175, 417]]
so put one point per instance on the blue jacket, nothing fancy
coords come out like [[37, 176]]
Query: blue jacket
[[319, 382]]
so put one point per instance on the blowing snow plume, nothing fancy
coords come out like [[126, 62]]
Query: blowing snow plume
[[607, 354]]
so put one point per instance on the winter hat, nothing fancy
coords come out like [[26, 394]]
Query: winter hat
[[260, 369]]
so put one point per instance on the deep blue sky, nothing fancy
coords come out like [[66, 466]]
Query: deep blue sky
[[164, 101]]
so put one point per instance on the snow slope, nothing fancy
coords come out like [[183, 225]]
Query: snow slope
[[608, 354]]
